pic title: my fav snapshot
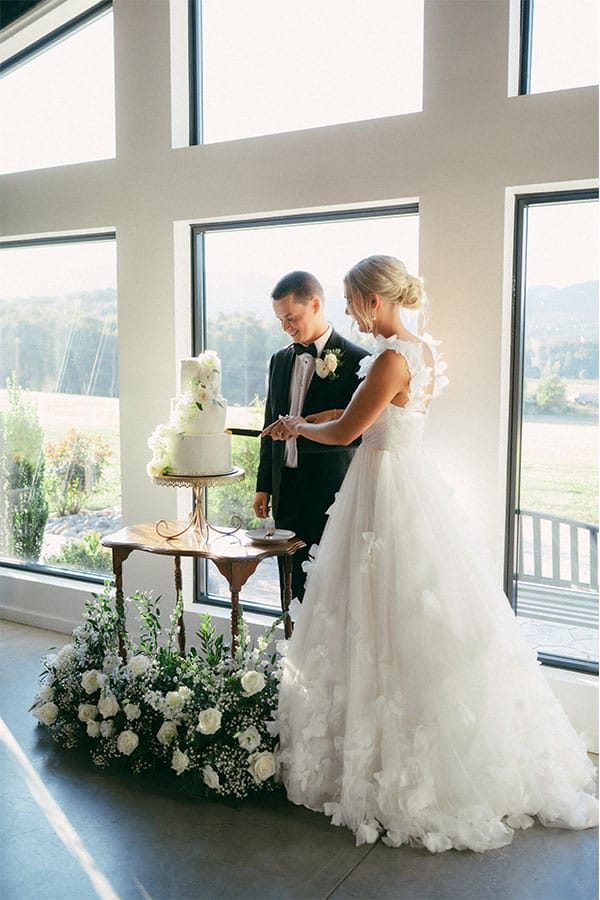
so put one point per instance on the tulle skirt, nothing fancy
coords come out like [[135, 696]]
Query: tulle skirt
[[410, 706]]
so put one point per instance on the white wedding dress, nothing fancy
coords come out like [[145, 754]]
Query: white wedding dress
[[410, 706]]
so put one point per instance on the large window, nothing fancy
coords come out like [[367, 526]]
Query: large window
[[237, 266], [559, 44], [553, 570], [58, 97], [60, 484], [266, 67]]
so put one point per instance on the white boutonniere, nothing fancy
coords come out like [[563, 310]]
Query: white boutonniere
[[328, 366]]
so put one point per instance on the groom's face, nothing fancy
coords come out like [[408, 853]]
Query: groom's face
[[303, 322]]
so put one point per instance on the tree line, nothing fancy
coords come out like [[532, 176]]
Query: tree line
[[69, 345]]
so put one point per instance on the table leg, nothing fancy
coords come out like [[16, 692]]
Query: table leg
[[119, 555], [235, 598], [178, 592], [287, 595]]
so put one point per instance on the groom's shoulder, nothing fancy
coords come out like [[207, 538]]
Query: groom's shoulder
[[281, 354]]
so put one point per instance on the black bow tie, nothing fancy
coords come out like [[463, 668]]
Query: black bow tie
[[299, 349]]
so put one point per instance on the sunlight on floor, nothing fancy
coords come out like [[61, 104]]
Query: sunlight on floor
[[56, 818]]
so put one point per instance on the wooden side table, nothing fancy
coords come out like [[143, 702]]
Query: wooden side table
[[234, 555]]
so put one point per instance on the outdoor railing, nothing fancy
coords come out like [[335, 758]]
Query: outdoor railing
[[558, 568]]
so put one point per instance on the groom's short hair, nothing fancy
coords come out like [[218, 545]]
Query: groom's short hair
[[302, 285]]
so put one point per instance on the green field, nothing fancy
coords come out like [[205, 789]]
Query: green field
[[559, 467]]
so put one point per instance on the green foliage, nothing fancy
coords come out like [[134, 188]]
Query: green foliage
[[75, 465], [149, 611], [102, 626], [87, 554], [23, 505], [210, 644], [551, 393], [22, 433], [27, 510]]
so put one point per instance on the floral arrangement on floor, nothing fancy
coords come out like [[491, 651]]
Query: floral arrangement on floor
[[207, 716]]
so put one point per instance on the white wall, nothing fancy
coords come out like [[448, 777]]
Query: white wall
[[470, 148]]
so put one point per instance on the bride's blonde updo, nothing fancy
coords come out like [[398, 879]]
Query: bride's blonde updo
[[386, 276]]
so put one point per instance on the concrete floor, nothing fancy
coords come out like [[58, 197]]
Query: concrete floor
[[71, 832]]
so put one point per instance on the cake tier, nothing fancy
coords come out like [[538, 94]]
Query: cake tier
[[190, 419], [200, 454], [201, 371]]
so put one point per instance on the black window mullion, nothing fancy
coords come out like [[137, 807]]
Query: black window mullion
[[526, 40], [523, 203]]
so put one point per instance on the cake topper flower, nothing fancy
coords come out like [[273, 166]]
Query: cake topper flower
[[329, 365]]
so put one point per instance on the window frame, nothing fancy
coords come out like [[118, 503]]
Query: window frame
[[517, 357], [526, 40], [36, 567], [199, 329], [56, 35]]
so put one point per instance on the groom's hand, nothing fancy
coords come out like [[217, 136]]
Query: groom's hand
[[276, 430], [327, 415], [261, 505]]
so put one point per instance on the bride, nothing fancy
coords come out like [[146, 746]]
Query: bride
[[410, 706]]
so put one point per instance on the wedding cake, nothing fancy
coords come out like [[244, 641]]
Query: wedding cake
[[194, 442]]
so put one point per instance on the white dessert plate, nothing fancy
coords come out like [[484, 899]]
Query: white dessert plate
[[279, 536]]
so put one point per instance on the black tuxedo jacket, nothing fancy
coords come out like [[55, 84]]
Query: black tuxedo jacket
[[322, 394]]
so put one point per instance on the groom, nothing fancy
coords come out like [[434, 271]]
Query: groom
[[313, 374]]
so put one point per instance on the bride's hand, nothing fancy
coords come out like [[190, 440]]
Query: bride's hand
[[292, 425]]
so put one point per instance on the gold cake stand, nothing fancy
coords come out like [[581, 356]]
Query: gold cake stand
[[197, 518]]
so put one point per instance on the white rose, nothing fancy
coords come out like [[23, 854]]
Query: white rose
[[132, 711], [211, 778], [180, 761], [321, 368], [127, 742], [249, 739], [261, 766], [93, 728], [185, 692], [111, 664], [174, 700], [166, 732], [107, 728], [65, 654], [92, 680], [86, 712], [252, 682], [331, 362], [46, 713], [108, 705], [209, 721], [46, 693], [137, 665], [155, 468]]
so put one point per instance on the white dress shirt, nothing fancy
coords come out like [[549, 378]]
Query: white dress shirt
[[302, 372]]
